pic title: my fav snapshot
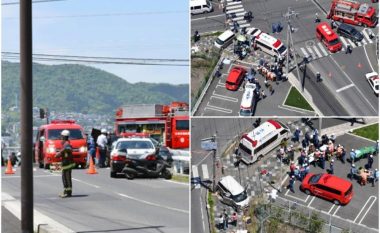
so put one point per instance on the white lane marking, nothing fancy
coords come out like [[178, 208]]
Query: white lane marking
[[35, 176], [332, 207], [245, 25], [286, 194], [367, 36], [344, 41], [353, 45], [205, 172], [345, 87], [233, 3], [369, 61], [336, 210], [364, 42], [323, 49], [194, 171], [310, 51], [311, 201], [80, 181], [317, 51], [228, 98], [348, 77], [209, 153], [222, 98], [176, 182], [357, 216], [304, 52], [359, 43], [153, 204], [235, 11], [368, 209], [229, 7], [215, 108], [203, 218]]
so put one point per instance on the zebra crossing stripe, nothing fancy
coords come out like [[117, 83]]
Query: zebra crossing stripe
[[233, 3], [322, 49], [344, 41], [238, 18], [245, 25], [353, 45], [367, 36], [194, 172], [310, 51], [205, 172], [240, 13], [317, 51], [304, 52], [234, 7], [359, 43], [364, 42], [235, 11]]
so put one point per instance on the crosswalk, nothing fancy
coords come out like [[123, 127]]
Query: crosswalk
[[318, 50], [195, 174], [237, 10]]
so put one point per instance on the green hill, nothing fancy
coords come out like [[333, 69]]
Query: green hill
[[80, 88]]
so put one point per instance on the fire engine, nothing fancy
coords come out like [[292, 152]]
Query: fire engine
[[165, 123], [353, 12]]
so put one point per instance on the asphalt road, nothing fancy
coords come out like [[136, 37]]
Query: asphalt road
[[344, 90], [103, 204]]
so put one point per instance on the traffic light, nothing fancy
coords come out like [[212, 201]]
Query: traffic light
[[42, 113]]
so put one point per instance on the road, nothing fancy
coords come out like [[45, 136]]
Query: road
[[344, 90], [102, 204]]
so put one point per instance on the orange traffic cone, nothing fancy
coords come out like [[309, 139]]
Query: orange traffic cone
[[9, 169], [91, 169]]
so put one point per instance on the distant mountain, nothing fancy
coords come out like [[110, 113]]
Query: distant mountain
[[79, 88]]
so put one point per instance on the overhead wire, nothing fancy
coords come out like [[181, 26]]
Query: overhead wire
[[36, 1]]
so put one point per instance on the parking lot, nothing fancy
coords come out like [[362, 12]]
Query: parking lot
[[219, 101], [364, 206]]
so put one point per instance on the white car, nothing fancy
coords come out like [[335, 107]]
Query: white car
[[373, 80], [135, 146], [253, 31]]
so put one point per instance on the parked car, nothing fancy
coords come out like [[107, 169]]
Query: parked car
[[373, 80], [350, 32], [330, 187], [235, 78]]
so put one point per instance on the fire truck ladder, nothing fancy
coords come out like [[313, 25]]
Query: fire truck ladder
[[169, 130]]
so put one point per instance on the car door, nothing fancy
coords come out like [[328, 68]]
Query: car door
[[317, 190]]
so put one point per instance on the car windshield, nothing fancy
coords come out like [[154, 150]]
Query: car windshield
[[376, 87], [154, 141], [334, 42], [134, 145], [241, 197], [55, 134], [314, 179], [281, 50], [219, 42], [230, 83], [245, 112], [182, 125]]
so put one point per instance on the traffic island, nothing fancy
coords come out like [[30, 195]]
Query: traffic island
[[296, 100], [370, 132]]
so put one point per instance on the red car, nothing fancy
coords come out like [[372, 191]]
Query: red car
[[328, 186], [235, 78]]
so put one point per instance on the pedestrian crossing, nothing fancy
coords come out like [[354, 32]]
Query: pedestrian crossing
[[196, 175], [236, 9], [318, 50]]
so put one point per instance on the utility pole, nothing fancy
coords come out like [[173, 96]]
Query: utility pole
[[214, 164], [289, 41], [26, 112]]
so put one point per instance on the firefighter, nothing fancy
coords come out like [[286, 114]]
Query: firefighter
[[66, 154]]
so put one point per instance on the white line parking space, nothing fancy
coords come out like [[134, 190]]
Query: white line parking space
[[367, 206]]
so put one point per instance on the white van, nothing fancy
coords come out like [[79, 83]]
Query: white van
[[270, 45], [232, 193], [248, 100], [224, 39], [200, 6], [262, 140]]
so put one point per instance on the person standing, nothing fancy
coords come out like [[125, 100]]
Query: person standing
[[66, 153], [291, 184], [234, 219], [91, 146], [352, 155], [102, 145], [370, 162], [375, 177], [332, 167], [323, 160], [225, 219], [353, 171], [220, 222]]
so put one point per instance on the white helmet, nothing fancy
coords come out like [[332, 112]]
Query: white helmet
[[65, 133], [352, 150], [332, 160], [103, 131]]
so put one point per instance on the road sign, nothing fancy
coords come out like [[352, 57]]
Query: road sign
[[208, 144]]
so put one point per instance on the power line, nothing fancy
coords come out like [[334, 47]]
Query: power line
[[97, 57], [36, 1]]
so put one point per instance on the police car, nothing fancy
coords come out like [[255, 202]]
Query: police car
[[373, 80]]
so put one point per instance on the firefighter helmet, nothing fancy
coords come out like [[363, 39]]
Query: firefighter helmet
[[65, 133]]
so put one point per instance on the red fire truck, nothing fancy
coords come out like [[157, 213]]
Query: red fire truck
[[353, 12], [165, 123]]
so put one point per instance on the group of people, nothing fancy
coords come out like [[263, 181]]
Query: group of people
[[224, 220], [102, 143]]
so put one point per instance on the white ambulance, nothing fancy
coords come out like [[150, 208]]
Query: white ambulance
[[248, 100], [270, 45], [260, 141]]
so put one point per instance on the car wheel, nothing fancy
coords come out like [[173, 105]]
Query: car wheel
[[259, 158], [113, 174], [129, 176], [307, 191], [46, 166], [336, 202], [40, 165], [167, 174]]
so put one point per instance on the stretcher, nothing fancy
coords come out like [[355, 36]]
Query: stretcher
[[364, 151]]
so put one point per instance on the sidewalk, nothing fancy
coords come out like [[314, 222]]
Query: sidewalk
[[344, 128]]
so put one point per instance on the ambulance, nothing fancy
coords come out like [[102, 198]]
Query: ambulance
[[248, 100], [270, 45], [263, 139]]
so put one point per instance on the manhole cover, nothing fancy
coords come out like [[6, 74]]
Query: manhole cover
[[309, 43]]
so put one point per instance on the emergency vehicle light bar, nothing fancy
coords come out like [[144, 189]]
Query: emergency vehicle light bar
[[62, 122]]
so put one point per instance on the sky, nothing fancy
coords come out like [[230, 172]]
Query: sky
[[109, 28]]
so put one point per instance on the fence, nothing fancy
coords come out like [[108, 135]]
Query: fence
[[309, 218]]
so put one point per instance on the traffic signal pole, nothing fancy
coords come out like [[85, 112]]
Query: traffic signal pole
[[26, 118]]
